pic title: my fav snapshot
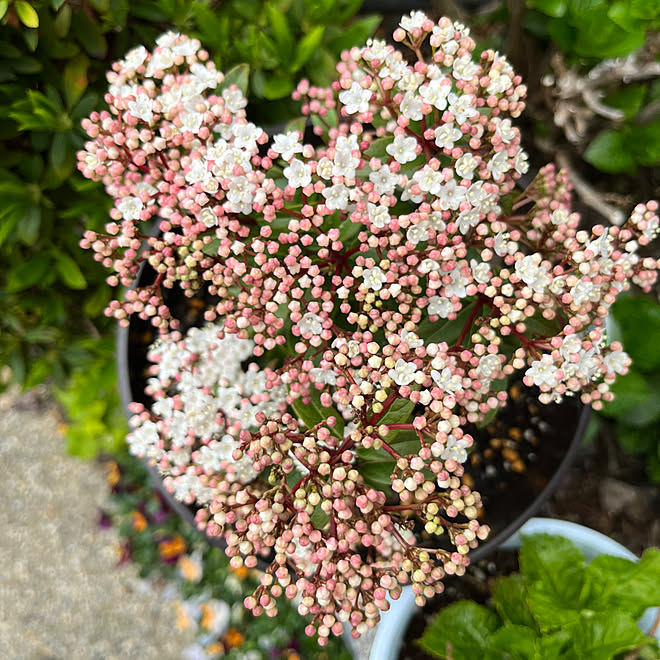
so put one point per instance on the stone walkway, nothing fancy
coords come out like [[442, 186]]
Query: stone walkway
[[61, 595]]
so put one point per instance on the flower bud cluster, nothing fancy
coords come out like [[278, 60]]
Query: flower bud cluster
[[387, 276]]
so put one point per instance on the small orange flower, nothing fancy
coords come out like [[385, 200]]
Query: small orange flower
[[183, 620], [215, 649], [241, 573], [172, 548], [138, 521], [208, 616], [293, 656], [112, 473], [233, 638], [190, 568]]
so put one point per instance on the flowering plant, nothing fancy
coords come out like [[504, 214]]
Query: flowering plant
[[381, 282]]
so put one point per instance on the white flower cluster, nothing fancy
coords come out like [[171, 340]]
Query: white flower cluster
[[203, 398]]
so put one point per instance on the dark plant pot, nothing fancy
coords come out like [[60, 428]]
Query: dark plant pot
[[508, 502]]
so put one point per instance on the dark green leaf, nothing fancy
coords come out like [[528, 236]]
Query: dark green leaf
[[28, 227], [27, 273], [239, 76], [89, 35], [645, 143], [69, 271], [398, 412], [637, 440], [62, 157], [631, 392], [609, 151], [62, 21], [277, 86], [319, 518], [75, 79], [377, 149], [461, 631], [639, 321], [308, 44], [628, 99], [279, 28], [313, 412]]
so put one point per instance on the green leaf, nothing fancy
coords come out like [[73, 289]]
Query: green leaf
[[26, 14], [645, 143], [61, 155], [555, 8], [377, 149], [69, 271], [31, 38], [628, 99], [609, 151], [4, 5], [639, 321], [239, 76], [626, 585], [62, 22], [513, 643], [277, 86], [448, 331], [28, 227], [356, 35], [88, 33], [554, 568], [27, 273], [602, 635], [398, 412], [637, 440], [75, 79], [279, 28], [510, 600], [461, 631], [308, 44], [631, 391], [319, 518], [313, 412], [552, 646]]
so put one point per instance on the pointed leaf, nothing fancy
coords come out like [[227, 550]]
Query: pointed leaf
[[70, 272], [239, 76], [26, 14]]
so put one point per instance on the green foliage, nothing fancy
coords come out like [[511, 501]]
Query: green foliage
[[53, 58], [598, 29], [96, 421], [556, 607], [625, 149], [636, 406], [589, 31], [147, 530]]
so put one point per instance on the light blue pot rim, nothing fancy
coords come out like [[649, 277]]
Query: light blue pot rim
[[394, 622]]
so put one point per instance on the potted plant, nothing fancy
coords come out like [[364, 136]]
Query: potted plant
[[578, 594], [367, 300]]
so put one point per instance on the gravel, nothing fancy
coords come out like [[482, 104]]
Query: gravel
[[62, 596]]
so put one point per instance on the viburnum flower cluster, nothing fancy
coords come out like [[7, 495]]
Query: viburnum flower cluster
[[373, 286]]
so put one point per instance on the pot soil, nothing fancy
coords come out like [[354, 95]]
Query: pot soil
[[516, 464]]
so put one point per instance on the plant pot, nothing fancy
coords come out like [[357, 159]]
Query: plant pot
[[508, 501], [394, 623]]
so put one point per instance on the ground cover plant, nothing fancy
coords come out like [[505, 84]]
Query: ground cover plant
[[373, 291], [557, 606]]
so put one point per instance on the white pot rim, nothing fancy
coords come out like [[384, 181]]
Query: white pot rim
[[394, 623]]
